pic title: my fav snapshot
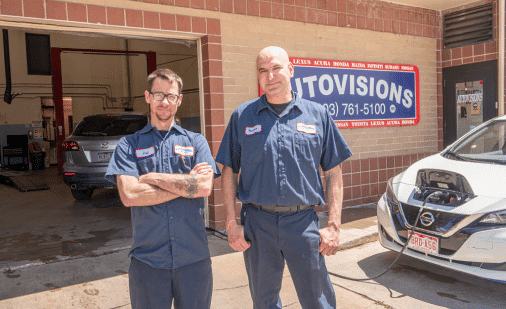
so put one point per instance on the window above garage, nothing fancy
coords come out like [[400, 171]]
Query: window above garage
[[467, 27]]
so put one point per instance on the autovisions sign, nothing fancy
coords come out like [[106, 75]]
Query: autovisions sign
[[360, 94]]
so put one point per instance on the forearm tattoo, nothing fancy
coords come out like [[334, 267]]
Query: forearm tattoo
[[188, 184]]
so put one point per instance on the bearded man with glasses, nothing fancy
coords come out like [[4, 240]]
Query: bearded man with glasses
[[163, 172]]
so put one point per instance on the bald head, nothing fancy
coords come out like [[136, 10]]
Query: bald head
[[273, 51]]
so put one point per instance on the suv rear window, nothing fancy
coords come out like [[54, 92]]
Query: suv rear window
[[110, 125]]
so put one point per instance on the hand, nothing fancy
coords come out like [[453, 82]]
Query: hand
[[202, 169], [236, 238], [329, 240]]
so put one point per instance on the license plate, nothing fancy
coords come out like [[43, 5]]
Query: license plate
[[104, 156], [424, 243]]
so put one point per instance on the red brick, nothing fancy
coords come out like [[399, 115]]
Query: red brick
[[418, 30], [56, 10], [134, 19], [341, 6], [76, 12], [322, 17], [300, 3], [214, 101], [183, 3], [183, 23], [253, 8], [332, 5], [96, 14], [387, 25], [212, 68], [240, 6], [479, 49], [467, 51], [211, 51], [199, 25], [115, 16], [411, 17], [197, 4], [403, 27], [396, 28], [403, 15], [378, 24], [12, 7], [214, 116], [369, 10], [167, 2], [300, 14], [378, 12], [289, 2], [356, 192], [33, 8], [226, 6], [479, 58], [456, 53], [491, 57], [396, 14], [355, 166], [289, 13], [369, 23], [352, 21], [213, 5], [277, 1], [312, 16], [387, 12], [332, 18], [342, 20], [151, 20], [360, 22], [361, 10], [411, 29], [351, 7], [277, 11], [213, 84], [490, 47], [167, 21], [213, 26], [312, 4], [321, 4], [346, 167], [265, 9]]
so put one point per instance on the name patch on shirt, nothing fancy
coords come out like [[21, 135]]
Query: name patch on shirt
[[143, 153], [254, 130], [184, 150], [306, 128]]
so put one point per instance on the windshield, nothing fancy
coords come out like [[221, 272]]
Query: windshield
[[109, 126], [487, 144]]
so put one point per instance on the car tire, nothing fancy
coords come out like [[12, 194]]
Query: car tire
[[82, 195]]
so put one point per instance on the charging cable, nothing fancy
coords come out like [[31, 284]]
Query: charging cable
[[433, 194]]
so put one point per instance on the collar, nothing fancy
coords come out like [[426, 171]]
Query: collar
[[262, 103], [148, 128]]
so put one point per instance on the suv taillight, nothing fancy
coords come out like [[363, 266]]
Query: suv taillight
[[70, 146]]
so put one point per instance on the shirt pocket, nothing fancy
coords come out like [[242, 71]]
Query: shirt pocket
[[181, 164], [305, 146], [253, 149], [147, 165]]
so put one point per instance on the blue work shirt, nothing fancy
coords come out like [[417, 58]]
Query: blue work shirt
[[278, 156], [171, 234]]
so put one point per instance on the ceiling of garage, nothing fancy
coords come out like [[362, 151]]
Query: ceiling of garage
[[438, 5]]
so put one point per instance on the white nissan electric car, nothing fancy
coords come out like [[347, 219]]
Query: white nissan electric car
[[462, 225]]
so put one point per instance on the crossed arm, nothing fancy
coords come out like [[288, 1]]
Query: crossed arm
[[155, 188]]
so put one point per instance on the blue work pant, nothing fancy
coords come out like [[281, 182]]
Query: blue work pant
[[291, 237], [190, 286]]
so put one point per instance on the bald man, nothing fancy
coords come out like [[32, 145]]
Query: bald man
[[278, 142]]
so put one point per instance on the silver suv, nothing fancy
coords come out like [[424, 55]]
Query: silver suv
[[88, 150]]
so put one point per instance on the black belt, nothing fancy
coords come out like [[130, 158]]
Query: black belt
[[283, 208]]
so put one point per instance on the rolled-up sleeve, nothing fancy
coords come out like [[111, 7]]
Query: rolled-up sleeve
[[229, 153]]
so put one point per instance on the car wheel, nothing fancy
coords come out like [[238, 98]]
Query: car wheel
[[82, 195]]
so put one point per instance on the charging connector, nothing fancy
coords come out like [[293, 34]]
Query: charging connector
[[434, 194]]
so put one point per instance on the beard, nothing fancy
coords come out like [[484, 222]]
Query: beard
[[163, 114]]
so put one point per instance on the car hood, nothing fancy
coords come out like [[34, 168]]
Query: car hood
[[486, 180]]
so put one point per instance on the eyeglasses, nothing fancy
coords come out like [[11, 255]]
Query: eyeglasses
[[160, 96]]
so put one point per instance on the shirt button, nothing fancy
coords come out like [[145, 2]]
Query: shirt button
[[282, 196], [171, 218], [172, 238], [165, 160]]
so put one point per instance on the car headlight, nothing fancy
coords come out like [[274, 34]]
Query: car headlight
[[498, 217], [392, 201]]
